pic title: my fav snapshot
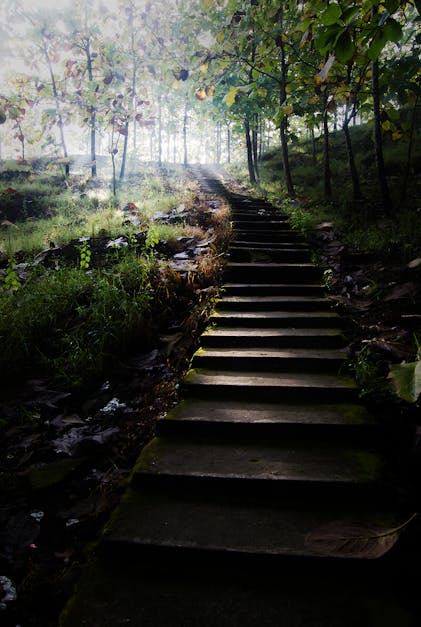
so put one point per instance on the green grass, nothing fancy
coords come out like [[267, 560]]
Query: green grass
[[360, 226], [46, 210], [70, 323]]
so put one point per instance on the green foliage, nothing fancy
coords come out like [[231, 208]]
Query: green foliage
[[11, 280], [152, 237], [405, 378], [85, 255], [369, 374], [406, 381], [71, 324]]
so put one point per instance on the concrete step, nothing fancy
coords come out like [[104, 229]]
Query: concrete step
[[315, 421], [275, 289], [190, 593], [177, 525], [262, 224], [261, 214], [288, 469], [268, 235], [267, 386], [267, 255], [273, 303], [273, 359], [272, 272], [276, 245], [265, 319], [270, 337]]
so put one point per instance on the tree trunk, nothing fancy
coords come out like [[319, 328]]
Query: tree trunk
[[378, 142], [124, 157], [252, 174], [326, 151], [285, 157], [313, 147], [159, 130], [93, 140], [254, 141], [57, 101], [356, 187], [404, 187], [228, 142], [218, 142], [185, 121], [283, 131], [92, 112]]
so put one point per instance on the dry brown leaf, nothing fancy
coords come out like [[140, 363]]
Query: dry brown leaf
[[349, 540]]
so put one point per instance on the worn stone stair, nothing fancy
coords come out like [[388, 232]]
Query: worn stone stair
[[269, 443]]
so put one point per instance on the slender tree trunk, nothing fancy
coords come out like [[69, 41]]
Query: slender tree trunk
[[283, 131], [252, 174], [228, 142], [326, 151], [92, 113], [254, 141], [93, 141], [378, 142], [57, 101], [185, 123], [114, 174], [355, 179], [404, 187], [313, 146], [218, 142], [159, 130], [124, 157], [285, 156]]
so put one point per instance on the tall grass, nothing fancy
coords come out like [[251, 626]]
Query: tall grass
[[69, 323]]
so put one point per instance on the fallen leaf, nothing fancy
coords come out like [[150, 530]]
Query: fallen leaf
[[354, 541]]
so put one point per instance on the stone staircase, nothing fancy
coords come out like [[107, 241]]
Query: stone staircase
[[269, 444]]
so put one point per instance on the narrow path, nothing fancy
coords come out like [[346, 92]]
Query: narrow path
[[269, 444]]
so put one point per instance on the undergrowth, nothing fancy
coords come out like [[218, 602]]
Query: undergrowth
[[70, 323], [361, 226]]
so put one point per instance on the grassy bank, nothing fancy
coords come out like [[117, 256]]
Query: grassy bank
[[361, 226]]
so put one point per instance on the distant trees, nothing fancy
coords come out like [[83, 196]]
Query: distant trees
[[136, 71]]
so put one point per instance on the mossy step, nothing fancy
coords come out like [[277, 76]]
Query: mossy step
[[261, 319], [273, 255], [269, 386], [264, 272], [269, 235], [187, 593], [287, 465], [273, 359], [275, 245], [174, 523], [273, 303], [213, 410], [261, 215], [270, 337], [334, 422], [268, 289], [261, 224]]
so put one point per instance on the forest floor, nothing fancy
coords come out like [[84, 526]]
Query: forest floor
[[66, 460]]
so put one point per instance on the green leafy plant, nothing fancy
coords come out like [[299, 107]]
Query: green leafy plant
[[11, 279], [405, 378], [152, 237], [368, 374], [85, 254]]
